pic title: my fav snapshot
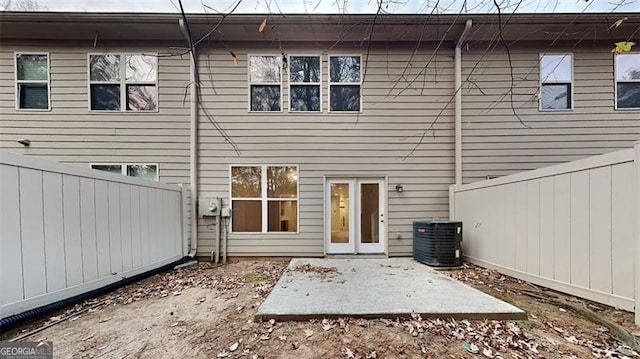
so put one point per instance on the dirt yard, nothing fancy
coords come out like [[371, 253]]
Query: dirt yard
[[206, 311]]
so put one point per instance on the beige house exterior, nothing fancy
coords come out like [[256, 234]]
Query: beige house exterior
[[359, 173]]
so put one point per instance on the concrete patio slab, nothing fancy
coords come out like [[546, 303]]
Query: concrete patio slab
[[376, 288]]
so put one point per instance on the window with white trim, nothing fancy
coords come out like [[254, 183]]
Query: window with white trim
[[556, 80], [123, 85], [628, 81], [345, 82], [32, 82], [265, 83], [142, 171], [264, 199], [304, 84]]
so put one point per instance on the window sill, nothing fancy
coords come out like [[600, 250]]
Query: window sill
[[557, 110], [121, 112], [33, 109], [265, 233]]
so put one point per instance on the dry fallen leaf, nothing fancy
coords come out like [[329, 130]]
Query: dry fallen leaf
[[262, 25], [234, 347], [308, 333]]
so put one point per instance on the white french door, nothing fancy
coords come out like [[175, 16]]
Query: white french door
[[355, 220]]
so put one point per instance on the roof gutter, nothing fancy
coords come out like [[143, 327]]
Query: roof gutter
[[458, 100], [193, 143]]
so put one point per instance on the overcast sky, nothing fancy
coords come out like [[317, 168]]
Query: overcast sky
[[338, 6]]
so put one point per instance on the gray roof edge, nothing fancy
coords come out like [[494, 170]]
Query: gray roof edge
[[118, 17]]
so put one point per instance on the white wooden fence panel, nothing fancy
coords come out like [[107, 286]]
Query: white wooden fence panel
[[53, 231], [72, 232], [11, 263], [547, 238], [570, 227], [102, 228], [66, 230], [88, 229], [562, 231], [622, 220], [32, 227]]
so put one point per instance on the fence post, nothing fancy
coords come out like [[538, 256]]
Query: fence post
[[636, 189], [452, 202]]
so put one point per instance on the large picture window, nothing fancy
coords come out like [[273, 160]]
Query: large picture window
[[304, 84], [556, 78], [628, 81], [32, 81], [265, 83], [142, 171], [345, 82], [264, 199], [120, 82]]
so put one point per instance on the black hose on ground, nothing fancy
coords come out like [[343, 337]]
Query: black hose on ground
[[18, 319]]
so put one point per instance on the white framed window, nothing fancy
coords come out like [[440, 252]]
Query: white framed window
[[123, 82], [143, 171], [345, 83], [264, 198], [556, 82], [627, 69], [305, 79], [265, 83], [33, 82]]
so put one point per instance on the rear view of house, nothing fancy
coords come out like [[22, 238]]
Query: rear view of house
[[322, 134]]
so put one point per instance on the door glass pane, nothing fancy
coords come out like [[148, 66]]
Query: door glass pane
[[339, 213], [246, 216], [283, 216], [369, 213]]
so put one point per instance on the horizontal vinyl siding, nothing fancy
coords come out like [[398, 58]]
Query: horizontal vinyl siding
[[495, 143], [374, 143], [70, 133]]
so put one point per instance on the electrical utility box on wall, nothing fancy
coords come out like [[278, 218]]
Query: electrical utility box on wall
[[208, 206]]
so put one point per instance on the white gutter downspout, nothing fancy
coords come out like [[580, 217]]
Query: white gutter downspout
[[193, 146], [458, 101]]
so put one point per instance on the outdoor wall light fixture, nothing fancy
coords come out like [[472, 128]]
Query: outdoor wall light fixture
[[399, 188], [25, 142]]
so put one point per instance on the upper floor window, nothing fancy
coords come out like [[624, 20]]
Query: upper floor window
[[264, 199], [628, 80], [265, 83], [304, 84], [123, 82], [556, 79], [32, 81], [142, 171], [345, 82]]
